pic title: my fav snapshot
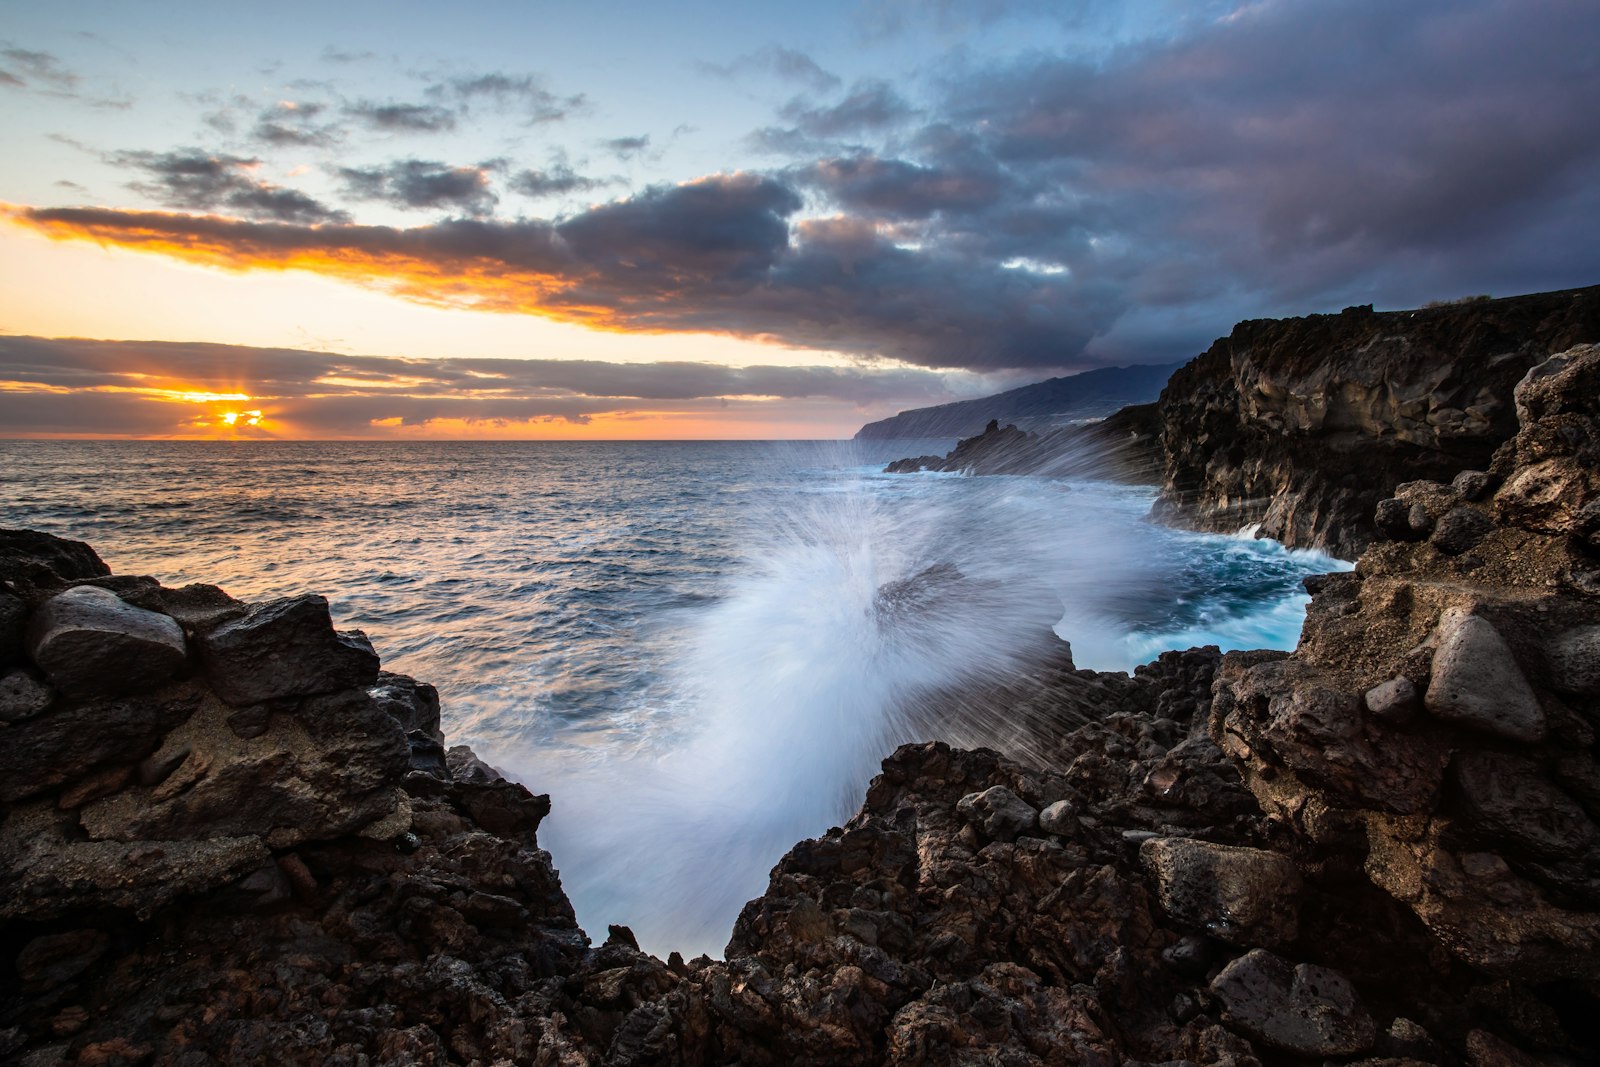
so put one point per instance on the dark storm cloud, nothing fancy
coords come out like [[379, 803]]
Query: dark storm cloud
[[422, 184], [718, 255], [402, 118], [1298, 150], [81, 386], [193, 180], [899, 189]]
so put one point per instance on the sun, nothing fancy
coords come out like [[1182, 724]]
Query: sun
[[246, 418]]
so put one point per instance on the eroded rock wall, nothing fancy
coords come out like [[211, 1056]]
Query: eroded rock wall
[[1302, 425]]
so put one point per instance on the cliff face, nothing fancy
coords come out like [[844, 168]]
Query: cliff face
[[1303, 425]]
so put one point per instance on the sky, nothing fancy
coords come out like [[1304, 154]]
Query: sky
[[701, 220]]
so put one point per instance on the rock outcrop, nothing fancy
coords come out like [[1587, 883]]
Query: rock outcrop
[[1123, 447], [1301, 426]]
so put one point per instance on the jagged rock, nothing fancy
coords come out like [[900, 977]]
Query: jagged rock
[[414, 704], [332, 768], [1477, 682], [22, 696], [1301, 1008], [31, 560], [285, 648], [92, 644], [1245, 896], [72, 739], [465, 766], [999, 813]]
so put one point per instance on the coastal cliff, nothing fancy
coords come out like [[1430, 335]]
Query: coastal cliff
[[229, 837], [1300, 426]]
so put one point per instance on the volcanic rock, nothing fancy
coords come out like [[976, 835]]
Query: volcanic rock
[[1304, 1009], [34, 561], [1245, 896], [998, 813], [1477, 683], [285, 648], [92, 644], [74, 738], [22, 696]]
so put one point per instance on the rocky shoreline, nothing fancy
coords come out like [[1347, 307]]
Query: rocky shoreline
[[230, 838]]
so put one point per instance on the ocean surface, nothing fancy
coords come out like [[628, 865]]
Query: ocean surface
[[686, 644]]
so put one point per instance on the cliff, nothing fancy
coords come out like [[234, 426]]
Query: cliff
[[228, 837], [1039, 407], [1302, 425]]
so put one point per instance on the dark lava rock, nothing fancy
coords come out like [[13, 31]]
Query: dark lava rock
[[1308, 1010], [1245, 896], [414, 704], [92, 644], [31, 560], [1460, 529], [74, 738], [22, 696], [285, 648], [53, 959], [13, 623]]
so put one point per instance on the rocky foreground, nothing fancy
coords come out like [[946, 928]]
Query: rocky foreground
[[230, 838]]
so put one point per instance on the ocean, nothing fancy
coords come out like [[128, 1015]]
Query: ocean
[[685, 644]]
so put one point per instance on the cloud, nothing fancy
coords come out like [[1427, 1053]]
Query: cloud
[[158, 388], [24, 68], [871, 106], [558, 179], [626, 147], [720, 255], [787, 63], [402, 118], [193, 180], [895, 188], [291, 123], [524, 95], [422, 184]]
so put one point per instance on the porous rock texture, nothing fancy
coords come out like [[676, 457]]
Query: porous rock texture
[[1300, 426], [1356, 853]]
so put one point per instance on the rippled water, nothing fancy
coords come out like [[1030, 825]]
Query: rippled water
[[679, 641]]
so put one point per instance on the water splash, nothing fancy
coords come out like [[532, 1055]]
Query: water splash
[[855, 612]]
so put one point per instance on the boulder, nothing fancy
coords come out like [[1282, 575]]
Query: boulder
[[1300, 1008], [285, 648], [1245, 896], [92, 644], [465, 766], [1477, 683], [1460, 529], [998, 813], [1396, 700], [1512, 801]]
